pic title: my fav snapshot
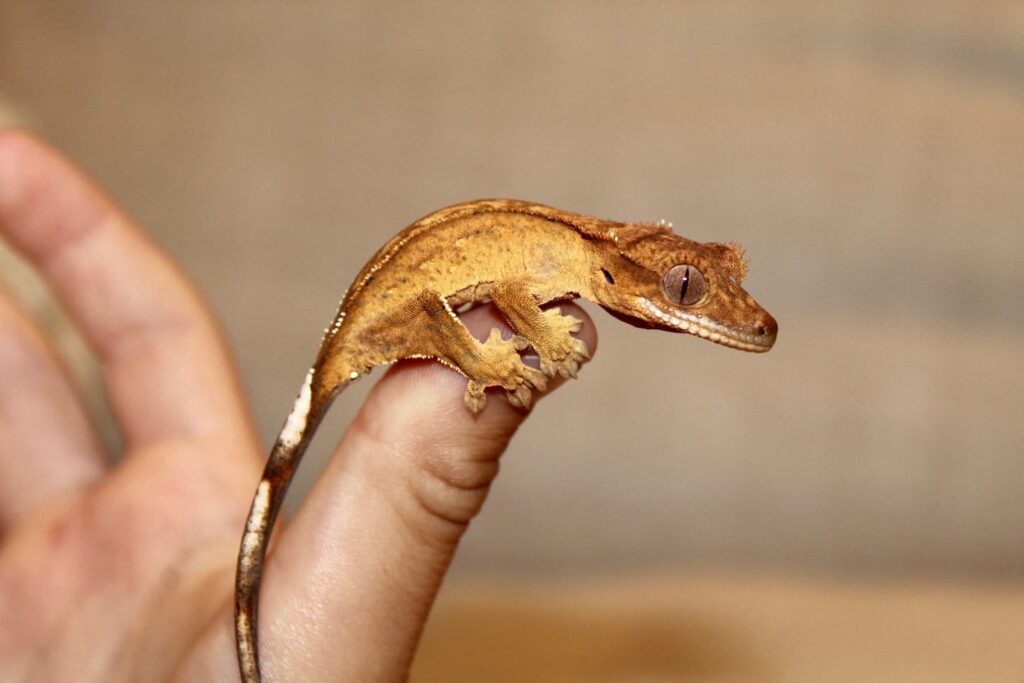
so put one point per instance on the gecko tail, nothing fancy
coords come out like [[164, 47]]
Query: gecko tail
[[291, 444]]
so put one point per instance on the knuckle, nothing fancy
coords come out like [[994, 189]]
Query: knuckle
[[438, 487]]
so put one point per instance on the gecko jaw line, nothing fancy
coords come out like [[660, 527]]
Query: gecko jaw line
[[706, 329]]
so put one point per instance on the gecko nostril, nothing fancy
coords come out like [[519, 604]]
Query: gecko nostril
[[767, 328]]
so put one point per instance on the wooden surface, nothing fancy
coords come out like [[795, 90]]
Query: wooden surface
[[724, 630]]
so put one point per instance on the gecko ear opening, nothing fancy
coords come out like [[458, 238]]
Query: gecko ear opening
[[608, 277], [684, 285]]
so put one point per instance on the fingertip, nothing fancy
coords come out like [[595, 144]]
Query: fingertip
[[17, 146], [12, 141], [424, 400], [45, 202]]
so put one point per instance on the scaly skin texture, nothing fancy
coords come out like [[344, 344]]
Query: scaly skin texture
[[519, 256]]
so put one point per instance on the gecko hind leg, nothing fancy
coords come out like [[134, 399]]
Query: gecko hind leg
[[548, 331], [491, 363]]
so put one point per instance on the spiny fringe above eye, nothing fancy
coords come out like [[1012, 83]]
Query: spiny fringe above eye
[[740, 258], [661, 226]]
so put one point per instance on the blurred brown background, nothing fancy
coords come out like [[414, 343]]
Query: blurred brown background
[[869, 156]]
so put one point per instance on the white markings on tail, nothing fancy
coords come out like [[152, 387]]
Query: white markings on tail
[[297, 421], [256, 529], [245, 646]]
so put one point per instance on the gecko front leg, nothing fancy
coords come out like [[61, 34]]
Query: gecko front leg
[[548, 331], [492, 363]]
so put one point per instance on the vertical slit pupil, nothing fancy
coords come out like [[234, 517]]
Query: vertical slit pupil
[[685, 284]]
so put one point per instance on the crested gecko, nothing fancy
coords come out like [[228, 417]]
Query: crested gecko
[[519, 256]]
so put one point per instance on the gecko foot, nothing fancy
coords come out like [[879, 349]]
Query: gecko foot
[[502, 367], [562, 353]]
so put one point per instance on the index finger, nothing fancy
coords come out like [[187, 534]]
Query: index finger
[[351, 582], [166, 368]]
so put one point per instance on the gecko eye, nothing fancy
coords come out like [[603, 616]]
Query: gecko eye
[[684, 285]]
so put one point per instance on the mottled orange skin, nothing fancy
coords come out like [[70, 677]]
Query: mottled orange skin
[[519, 256], [533, 255]]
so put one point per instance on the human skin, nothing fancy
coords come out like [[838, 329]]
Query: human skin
[[124, 572]]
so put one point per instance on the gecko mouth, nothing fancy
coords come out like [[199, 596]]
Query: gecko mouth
[[712, 331]]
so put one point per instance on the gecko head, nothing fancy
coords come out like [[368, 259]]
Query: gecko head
[[650, 277]]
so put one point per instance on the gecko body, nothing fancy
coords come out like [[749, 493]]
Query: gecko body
[[519, 256]]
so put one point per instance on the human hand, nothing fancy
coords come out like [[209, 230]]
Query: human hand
[[124, 572]]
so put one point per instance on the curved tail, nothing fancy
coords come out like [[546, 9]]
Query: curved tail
[[291, 444]]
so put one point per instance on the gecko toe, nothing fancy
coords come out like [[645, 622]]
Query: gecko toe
[[575, 324], [580, 350], [535, 378], [475, 398], [561, 321], [520, 343], [521, 397], [569, 368]]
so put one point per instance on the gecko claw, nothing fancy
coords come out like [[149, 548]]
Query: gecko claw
[[535, 378], [521, 397]]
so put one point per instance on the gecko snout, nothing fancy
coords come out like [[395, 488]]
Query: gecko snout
[[766, 330]]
